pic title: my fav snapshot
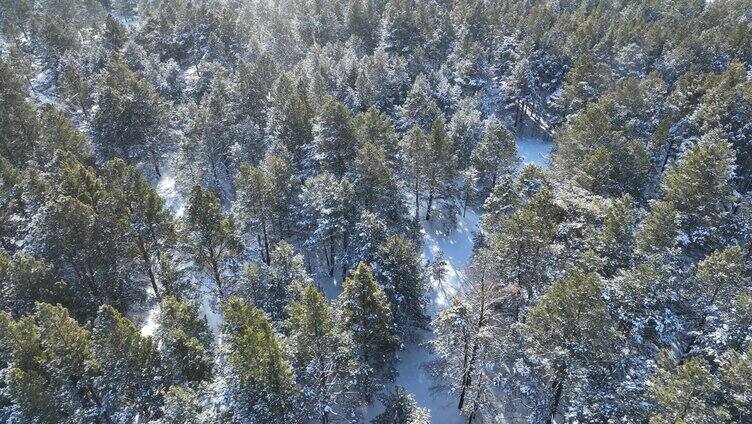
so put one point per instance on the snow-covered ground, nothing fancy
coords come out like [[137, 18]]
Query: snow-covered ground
[[456, 249], [534, 150]]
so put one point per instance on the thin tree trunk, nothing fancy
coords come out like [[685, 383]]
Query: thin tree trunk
[[428, 206], [268, 259], [147, 264], [558, 387]]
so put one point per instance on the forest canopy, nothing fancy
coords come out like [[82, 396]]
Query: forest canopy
[[250, 211]]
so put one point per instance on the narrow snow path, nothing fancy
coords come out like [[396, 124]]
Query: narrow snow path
[[456, 248]]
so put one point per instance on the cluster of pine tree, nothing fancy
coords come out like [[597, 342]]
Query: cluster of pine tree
[[301, 142]]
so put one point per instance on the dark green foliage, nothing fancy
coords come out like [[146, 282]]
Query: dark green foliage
[[185, 341], [365, 314], [262, 379]]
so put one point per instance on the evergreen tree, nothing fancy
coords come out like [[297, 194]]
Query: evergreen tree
[[413, 153], [210, 236], [254, 206], [685, 393], [440, 165], [289, 121], [401, 275], [467, 339], [19, 125], [495, 154], [210, 139], [400, 408], [132, 381], [699, 186], [328, 215], [466, 131], [736, 371], [185, 341], [26, 280], [261, 380], [571, 331], [333, 138], [419, 108], [181, 406], [149, 226], [365, 314], [375, 181], [130, 119], [615, 241], [51, 366], [321, 356], [286, 277]]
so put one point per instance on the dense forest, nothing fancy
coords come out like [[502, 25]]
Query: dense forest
[[216, 211]]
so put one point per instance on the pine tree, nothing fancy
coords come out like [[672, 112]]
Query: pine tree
[[414, 158], [699, 186], [261, 384], [718, 280], [466, 131], [440, 167], [254, 205], [27, 280], [398, 28], [467, 339], [400, 408], [328, 216], [597, 153], [129, 121], [373, 127], [321, 356], [289, 122], [181, 406], [333, 137], [736, 375], [51, 366], [615, 241], [401, 275], [210, 236], [150, 229], [185, 341], [419, 108], [210, 139], [685, 393], [19, 125], [495, 154], [375, 181], [365, 314], [286, 277], [571, 331], [132, 381]]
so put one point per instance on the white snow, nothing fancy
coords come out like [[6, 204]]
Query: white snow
[[457, 248], [166, 189], [150, 324], [534, 150]]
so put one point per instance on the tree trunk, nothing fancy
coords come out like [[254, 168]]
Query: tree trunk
[[428, 206], [147, 265], [558, 387], [217, 277], [417, 202], [268, 258]]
